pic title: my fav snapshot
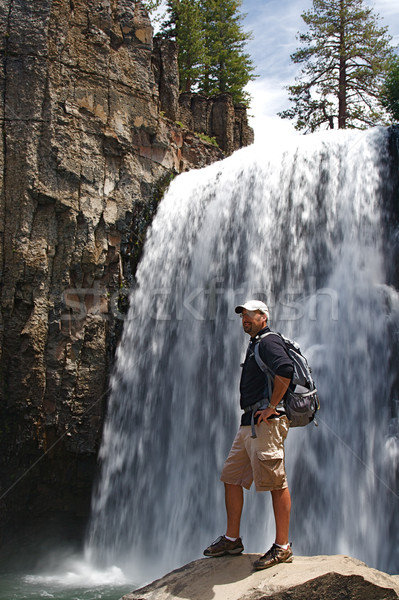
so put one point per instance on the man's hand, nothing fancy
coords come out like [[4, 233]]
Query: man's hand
[[280, 387], [265, 414]]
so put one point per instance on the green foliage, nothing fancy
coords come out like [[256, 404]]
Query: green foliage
[[211, 46], [151, 5], [390, 89], [206, 138], [185, 25], [344, 57], [228, 67]]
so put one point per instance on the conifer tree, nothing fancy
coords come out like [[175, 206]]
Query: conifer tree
[[151, 5], [345, 58], [210, 46], [185, 26], [390, 89], [228, 67]]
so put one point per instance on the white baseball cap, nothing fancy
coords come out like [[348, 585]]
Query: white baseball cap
[[253, 305]]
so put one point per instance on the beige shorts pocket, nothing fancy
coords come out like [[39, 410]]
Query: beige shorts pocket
[[270, 454], [271, 469]]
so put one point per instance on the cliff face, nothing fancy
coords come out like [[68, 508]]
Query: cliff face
[[87, 148]]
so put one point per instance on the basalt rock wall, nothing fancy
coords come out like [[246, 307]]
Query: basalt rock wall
[[216, 117], [86, 150]]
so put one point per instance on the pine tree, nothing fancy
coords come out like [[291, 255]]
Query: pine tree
[[228, 68], [345, 58], [185, 26], [390, 89], [210, 46], [151, 5]]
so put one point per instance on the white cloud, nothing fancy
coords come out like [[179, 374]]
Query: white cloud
[[268, 98]]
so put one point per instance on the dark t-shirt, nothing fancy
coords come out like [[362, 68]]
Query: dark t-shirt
[[253, 384]]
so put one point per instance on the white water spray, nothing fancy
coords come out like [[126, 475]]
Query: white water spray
[[301, 229]]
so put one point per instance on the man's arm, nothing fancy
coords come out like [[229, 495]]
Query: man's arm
[[279, 388], [274, 353]]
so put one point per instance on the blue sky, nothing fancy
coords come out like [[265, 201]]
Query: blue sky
[[275, 24]]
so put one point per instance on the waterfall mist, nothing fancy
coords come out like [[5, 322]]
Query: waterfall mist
[[301, 228]]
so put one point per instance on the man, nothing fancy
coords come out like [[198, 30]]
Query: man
[[261, 458]]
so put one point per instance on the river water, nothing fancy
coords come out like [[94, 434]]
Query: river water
[[300, 225], [72, 579]]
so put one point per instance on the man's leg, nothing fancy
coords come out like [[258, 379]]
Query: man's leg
[[234, 499], [282, 508], [276, 554], [237, 467]]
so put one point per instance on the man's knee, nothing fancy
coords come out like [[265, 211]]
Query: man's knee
[[282, 498]]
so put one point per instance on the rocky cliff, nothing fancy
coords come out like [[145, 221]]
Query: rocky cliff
[[216, 117], [89, 142]]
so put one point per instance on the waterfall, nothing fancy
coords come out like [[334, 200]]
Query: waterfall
[[302, 228]]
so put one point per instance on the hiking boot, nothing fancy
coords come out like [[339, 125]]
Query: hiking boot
[[223, 546], [274, 556]]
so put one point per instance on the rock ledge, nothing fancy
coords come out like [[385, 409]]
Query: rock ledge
[[307, 578]]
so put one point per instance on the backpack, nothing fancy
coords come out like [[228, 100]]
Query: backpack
[[301, 403]]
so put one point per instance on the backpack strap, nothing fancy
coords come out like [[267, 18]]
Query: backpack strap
[[269, 382], [253, 409], [262, 365]]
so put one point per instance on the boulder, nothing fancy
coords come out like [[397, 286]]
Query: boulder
[[306, 578]]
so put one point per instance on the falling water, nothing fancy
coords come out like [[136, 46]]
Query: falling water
[[301, 228]]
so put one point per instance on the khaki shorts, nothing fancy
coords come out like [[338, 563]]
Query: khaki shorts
[[260, 459]]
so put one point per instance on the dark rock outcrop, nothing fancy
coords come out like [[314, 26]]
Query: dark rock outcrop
[[89, 143], [166, 75], [218, 118]]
